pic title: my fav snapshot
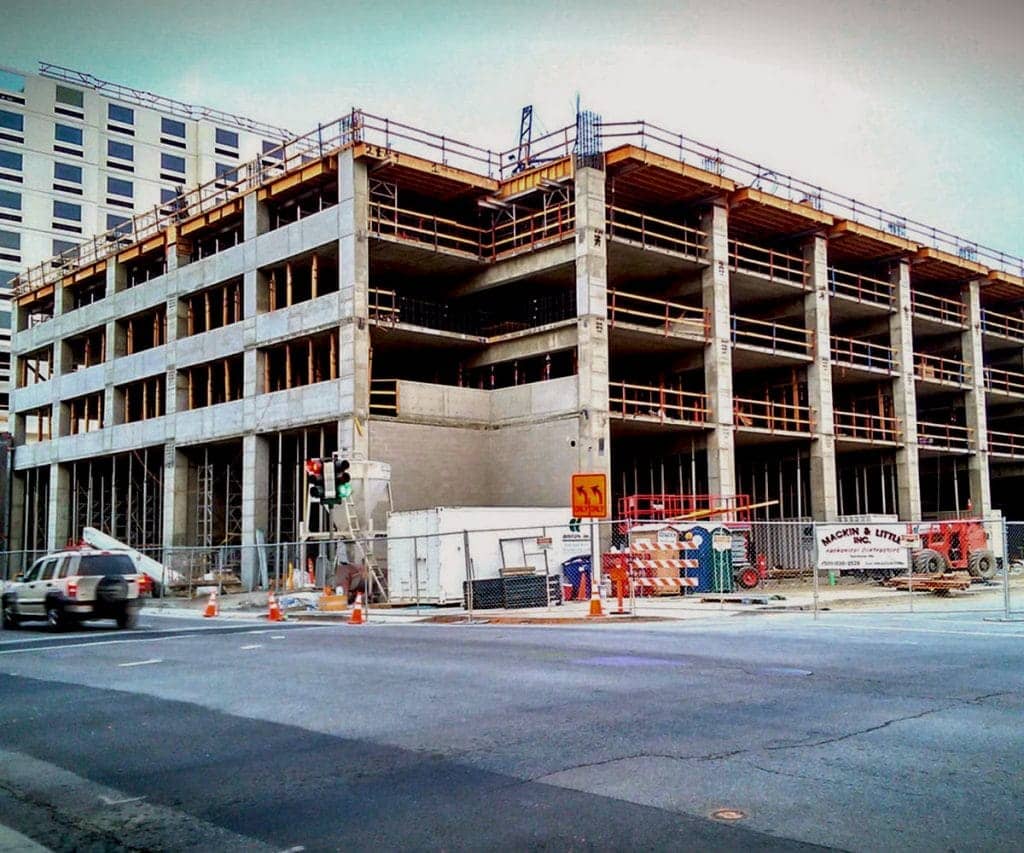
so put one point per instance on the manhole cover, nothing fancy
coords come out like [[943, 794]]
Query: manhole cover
[[728, 814]]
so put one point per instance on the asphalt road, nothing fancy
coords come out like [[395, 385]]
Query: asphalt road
[[854, 732]]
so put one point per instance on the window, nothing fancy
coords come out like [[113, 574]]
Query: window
[[227, 138], [68, 134], [10, 201], [5, 319], [10, 160], [6, 277], [172, 163], [167, 195], [122, 224], [10, 246], [12, 121], [12, 126], [225, 170], [122, 115], [11, 82], [67, 172], [115, 186], [120, 150], [66, 210], [170, 127], [172, 132], [62, 246], [66, 97]]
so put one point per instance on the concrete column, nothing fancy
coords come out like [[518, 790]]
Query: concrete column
[[974, 402], [901, 338], [255, 503], [353, 285], [824, 491], [117, 276], [16, 519], [255, 217], [175, 497], [115, 348], [721, 454], [179, 249], [593, 448], [58, 515]]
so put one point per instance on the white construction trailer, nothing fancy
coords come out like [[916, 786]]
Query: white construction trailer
[[427, 556]]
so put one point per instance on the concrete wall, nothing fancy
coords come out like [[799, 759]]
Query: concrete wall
[[432, 464], [519, 465]]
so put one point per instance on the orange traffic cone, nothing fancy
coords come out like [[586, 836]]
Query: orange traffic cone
[[212, 607], [274, 613], [595, 601], [356, 616], [581, 592]]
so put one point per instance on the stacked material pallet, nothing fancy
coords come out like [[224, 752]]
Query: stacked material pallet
[[939, 584]]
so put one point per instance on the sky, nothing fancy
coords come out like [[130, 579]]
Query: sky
[[916, 106]]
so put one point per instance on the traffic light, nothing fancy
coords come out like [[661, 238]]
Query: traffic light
[[315, 476], [342, 479]]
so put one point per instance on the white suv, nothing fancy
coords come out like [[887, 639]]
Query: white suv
[[75, 585]]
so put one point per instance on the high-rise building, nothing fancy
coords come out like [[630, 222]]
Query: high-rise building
[[80, 155]]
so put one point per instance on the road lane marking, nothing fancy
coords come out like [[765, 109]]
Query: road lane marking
[[187, 633], [142, 662], [277, 637], [108, 801], [987, 634], [253, 646]]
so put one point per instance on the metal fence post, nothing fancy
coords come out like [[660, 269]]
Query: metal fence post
[[469, 576], [416, 570], [814, 566], [1006, 571]]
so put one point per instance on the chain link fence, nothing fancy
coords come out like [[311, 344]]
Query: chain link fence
[[652, 569]]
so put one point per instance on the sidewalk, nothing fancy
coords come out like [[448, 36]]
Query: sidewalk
[[791, 596]]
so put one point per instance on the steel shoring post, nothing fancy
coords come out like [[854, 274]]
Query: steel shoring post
[[814, 571]]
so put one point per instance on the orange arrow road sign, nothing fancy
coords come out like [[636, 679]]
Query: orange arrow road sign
[[589, 496]]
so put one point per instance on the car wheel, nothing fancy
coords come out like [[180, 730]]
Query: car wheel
[[128, 618], [10, 613], [55, 617]]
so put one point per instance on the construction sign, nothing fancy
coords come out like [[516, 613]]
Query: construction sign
[[589, 496]]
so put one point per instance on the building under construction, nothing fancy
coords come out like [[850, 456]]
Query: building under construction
[[612, 297]]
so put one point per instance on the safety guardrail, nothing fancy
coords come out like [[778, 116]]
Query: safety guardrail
[[936, 368], [660, 403], [865, 427], [770, 335], [938, 436], [659, 315], [857, 353], [861, 288], [1005, 381], [1004, 325], [771, 416], [767, 263], [653, 233], [939, 308]]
